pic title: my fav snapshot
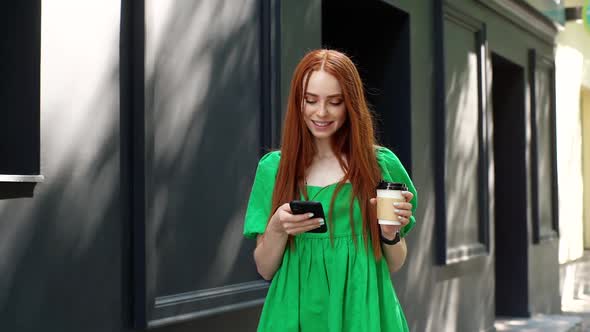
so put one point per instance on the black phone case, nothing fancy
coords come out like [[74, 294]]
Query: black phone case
[[301, 207]]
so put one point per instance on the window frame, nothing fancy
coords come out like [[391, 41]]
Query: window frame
[[444, 255], [542, 62]]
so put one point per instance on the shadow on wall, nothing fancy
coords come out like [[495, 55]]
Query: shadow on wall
[[203, 94], [434, 297], [66, 246], [62, 248]]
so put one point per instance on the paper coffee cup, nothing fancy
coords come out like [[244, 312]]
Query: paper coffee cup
[[387, 194]]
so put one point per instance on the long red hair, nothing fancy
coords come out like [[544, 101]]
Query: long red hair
[[354, 143]]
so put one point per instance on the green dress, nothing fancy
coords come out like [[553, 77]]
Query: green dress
[[320, 286]]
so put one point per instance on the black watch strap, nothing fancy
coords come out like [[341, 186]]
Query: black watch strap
[[395, 240]]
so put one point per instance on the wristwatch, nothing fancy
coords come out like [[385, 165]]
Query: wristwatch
[[395, 240]]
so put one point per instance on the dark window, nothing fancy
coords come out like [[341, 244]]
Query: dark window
[[20, 49]]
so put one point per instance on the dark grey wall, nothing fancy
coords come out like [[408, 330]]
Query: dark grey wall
[[203, 110], [65, 254], [542, 260], [63, 258], [301, 31]]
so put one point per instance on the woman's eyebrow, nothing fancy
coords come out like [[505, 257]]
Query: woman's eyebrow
[[330, 96]]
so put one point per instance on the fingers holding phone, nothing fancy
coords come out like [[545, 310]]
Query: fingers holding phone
[[310, 208], [301, 223], [291, 223]]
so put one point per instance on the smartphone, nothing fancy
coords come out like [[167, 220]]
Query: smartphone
[[301, 207]]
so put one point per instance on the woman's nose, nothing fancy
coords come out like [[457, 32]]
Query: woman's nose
[[323, 110]]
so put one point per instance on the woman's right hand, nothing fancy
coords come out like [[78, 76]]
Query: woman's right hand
[[285, 222]]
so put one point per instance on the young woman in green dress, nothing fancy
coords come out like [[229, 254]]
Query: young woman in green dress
[[338, 280]]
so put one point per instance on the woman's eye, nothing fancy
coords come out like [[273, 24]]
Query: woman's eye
[[309, 101], [336, 102]]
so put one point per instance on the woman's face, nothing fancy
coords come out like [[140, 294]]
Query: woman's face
[[324, 111]]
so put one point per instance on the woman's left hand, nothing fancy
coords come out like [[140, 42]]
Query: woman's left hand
[[402, 210]]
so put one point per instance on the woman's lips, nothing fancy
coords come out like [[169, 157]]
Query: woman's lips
[[322, 124]]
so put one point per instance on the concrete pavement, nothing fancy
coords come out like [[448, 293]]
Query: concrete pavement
[[575, 304], [575, 298]]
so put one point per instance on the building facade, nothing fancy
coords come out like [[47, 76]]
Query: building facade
[[129, 153]]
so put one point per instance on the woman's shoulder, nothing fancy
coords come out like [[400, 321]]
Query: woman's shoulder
[[270, 161], [385, 155]]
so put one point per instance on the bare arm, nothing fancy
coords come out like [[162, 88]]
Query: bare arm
[[395, 254], [268, 254], [270, 246]]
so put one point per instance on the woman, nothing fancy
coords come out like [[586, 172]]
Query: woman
[[338, 280]]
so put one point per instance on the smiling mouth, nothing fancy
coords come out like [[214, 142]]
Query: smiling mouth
[[322, 124]]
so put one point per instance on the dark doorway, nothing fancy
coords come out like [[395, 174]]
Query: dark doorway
[[377, 37], [510, 224]]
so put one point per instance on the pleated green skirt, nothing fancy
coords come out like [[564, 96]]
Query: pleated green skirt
[[336, 287]]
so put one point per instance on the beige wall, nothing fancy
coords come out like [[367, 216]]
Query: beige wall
[[586, 162], [569, 152], [572, 72], [576, 36]]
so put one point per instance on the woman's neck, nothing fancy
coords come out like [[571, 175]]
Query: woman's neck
[[324, 148]]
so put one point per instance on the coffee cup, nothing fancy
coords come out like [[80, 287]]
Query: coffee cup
[[389, 193]]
